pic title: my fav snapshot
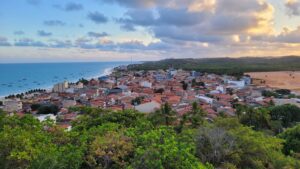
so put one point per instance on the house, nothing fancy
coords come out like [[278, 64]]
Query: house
[[146, 84], [68, 103], [247, 80], [12, 105], [205, 99], [148, 107], [236, 84]]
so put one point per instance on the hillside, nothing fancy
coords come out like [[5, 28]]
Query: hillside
[[225, 65]]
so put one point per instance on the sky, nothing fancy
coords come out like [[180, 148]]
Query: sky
[[118, 30]]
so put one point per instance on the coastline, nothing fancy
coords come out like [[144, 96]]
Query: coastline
[[106, 71]]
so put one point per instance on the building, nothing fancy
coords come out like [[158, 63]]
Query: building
[[68, 103], [60, 87], [148, 107], [205, 99], [12, 105], [43, 117], [146, 84], [236, 84], [247, 80]]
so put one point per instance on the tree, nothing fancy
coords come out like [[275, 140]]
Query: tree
[[48, 109], [159, 148], [292, 140], [193, 118], [257, 118], [83, 81], [111, 150], [215, 145], [287, 114], [283, 91], [35, 107], [255, 149], [184, 86], [165, 115]]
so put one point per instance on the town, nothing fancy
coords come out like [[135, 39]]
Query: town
[[146, 92]]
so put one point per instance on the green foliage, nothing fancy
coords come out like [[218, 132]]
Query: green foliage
[[159, 148], [192, 119], [25, 144], [35, 107], [267, 93], [137, 101], [164, 116], [84, 81], [254, 149], [287, 114], [292, 140], [230, 66], [111, 150], [47, 109], [283, 91], [257, 118], [96, 117], [128, 139]]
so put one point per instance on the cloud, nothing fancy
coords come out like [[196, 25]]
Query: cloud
[[19, 32], [44, 33], [97, 17], [55, 43], [54, 23], [133, 3], [293, 7], [71, 6], [97, 35], [289, 36], [4, 41], [25, 42], [199, 20]]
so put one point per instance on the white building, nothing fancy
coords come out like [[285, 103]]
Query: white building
[[148, 107], [236, 83], [44, 117], [12, 105], [146, 84], [61, 87], [205, 99]]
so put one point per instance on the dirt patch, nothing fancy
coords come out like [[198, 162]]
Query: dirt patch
[[283, 80]]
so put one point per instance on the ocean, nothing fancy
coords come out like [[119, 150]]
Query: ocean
[[22, 77]]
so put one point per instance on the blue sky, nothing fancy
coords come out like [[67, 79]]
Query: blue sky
[[115, 30]]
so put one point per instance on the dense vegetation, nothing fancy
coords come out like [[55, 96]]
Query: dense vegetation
[[128, 139], [232, 66]]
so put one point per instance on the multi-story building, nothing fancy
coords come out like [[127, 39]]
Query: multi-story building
[[12, 105], [60, 87]]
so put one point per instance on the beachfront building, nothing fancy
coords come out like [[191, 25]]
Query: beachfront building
[[12, 105], [61, 87]]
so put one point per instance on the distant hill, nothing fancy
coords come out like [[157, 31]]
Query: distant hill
[[225, 65]]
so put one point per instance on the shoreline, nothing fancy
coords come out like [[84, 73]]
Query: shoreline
[[106, 71]]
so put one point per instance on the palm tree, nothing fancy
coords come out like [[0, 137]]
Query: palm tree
[[167, 113]]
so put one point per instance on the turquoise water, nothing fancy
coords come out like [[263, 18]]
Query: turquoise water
[[17, 78]]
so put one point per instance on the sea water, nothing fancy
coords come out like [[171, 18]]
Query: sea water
[[21, 77]]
